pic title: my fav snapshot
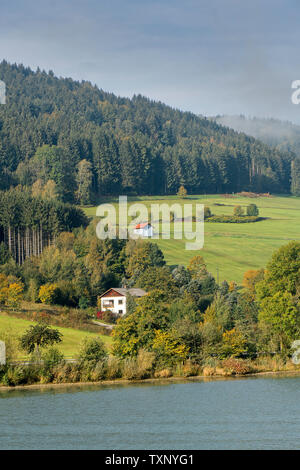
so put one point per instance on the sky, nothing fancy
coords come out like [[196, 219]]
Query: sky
[[206, 56]]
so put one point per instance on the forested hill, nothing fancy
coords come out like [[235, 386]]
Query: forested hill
[[87, 143], [283, 135]]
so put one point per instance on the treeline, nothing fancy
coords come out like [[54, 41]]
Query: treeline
[[79, 267], [29, 224], [282, 135], [78, 142]]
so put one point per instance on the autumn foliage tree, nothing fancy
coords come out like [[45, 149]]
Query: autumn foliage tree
[[14, 294], [168, 350], [196, 266], [233, 343], [238, 211], [182, 192], [11, 291], [48, 293], [251, 278]]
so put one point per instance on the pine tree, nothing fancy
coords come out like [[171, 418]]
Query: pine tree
[[84, 182], [295, 175]]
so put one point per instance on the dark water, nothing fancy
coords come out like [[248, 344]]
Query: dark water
[[251, 413]]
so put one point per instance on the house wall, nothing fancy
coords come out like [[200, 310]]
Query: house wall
[[148, 232], [144, 232], [114, 301]]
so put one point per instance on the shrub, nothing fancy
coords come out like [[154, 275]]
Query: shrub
[[238, 211], [83, 302], [48, 293], [65, 294], [21, 375], [52, 358], [66, 373], [107, 316], [237, 366], [252, 210], [207, 212], [13, 376], [190, 369], [92, 350]]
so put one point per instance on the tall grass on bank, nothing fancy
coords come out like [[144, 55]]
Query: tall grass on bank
[[54, 369]]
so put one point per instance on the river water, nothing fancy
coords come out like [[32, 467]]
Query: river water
[[246, 413]]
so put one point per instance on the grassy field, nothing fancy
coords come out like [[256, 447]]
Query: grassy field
[[231, 249], [70, 341]]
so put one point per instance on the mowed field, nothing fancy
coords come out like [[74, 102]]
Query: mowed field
[[231, 249], [71, 339]]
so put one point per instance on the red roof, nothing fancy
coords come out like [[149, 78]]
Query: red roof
[[142, 225]]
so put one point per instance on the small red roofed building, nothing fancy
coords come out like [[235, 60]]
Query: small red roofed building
[[144, 229]]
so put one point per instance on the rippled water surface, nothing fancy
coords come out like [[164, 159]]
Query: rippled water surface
[[248, 413]]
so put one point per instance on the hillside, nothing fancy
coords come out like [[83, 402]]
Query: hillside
[[232, 249], [51, 125], [71, 339], [283, 135]]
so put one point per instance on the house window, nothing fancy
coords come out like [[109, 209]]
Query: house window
[[120, 302], [120, 311], [108, 303]]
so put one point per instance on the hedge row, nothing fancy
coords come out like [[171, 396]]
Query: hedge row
[[231, 219]]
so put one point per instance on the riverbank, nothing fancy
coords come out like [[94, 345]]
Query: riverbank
[[153, 380]]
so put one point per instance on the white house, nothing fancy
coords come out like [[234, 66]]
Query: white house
[[114, 299], [144, 229]]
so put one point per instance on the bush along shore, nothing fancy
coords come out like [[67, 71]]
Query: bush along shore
[[47, 365], [55, 370]]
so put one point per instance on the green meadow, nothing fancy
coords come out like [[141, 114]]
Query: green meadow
[[231, 249], [71, 338]]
